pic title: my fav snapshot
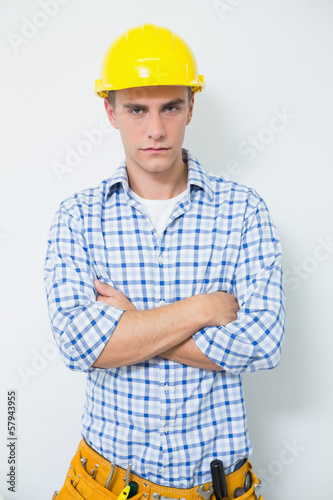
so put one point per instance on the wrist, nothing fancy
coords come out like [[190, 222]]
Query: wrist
[[199, 313]]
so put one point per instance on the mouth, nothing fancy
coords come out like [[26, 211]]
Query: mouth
[[155, 150]]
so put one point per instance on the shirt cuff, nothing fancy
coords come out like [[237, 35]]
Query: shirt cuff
[[224, 349], [88, 334]]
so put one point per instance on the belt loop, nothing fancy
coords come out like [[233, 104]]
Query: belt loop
[[75, 481], [146, 490]]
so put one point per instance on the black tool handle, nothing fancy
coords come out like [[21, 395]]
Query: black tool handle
[[219, 480]]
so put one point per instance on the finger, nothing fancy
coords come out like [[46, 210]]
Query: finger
[[103, 288], [102, 298]]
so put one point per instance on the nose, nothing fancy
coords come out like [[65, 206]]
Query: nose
[[155, 126]]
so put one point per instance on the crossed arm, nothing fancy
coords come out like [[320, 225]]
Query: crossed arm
[[205, 331], [165, 331]]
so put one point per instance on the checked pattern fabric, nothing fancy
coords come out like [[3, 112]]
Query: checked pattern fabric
[[167, 419]]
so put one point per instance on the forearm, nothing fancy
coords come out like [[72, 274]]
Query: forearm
[[252, 342], [140, 335], [187, 353]]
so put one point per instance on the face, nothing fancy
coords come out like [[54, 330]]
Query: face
[[151, 122]]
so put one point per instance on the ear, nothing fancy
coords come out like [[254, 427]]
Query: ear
[[190, 113], [111, 114]]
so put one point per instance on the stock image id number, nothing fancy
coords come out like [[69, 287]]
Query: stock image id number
[[11, 440], [11, 412]]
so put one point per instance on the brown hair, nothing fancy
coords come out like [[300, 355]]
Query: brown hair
[[112, 97]]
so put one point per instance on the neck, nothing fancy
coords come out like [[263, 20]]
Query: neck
[[158, 185]]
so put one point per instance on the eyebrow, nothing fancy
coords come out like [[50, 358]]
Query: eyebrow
[[165, 105]]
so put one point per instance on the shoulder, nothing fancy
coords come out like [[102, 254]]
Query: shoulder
[[241, 204], [86, 202], [234, 193], [220, 191]]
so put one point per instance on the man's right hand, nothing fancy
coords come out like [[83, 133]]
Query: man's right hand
[[113, 297]]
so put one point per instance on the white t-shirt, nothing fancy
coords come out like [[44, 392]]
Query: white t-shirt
[[159, 210]]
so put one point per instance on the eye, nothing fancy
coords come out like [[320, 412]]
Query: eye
[[136, 111], [172, 108]]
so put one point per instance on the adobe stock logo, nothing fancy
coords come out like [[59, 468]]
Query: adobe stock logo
[[254, 144], [39, 361], [31, 28], [299, 272], [290, 452], [224, 7], [75, 154]]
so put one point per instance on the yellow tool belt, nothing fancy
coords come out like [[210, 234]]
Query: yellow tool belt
[[89, 472]]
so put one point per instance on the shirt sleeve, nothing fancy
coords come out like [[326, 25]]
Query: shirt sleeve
[[80, 325], [253, 341]]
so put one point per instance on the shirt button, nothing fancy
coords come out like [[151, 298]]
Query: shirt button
[[162, 303], [166, 429], [166, 387], [160, 260]]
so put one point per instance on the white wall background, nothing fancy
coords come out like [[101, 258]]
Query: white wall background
[[260, 58]]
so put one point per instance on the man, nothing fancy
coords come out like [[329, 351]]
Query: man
[[164, 285]]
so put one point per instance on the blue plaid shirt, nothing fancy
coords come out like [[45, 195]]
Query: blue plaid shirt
[[169, 420]]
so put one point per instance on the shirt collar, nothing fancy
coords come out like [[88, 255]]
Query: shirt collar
[[197, 176]]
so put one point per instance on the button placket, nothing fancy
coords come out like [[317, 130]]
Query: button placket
[[160, 276]]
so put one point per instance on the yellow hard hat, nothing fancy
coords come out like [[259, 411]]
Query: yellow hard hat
[[148, 55]]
